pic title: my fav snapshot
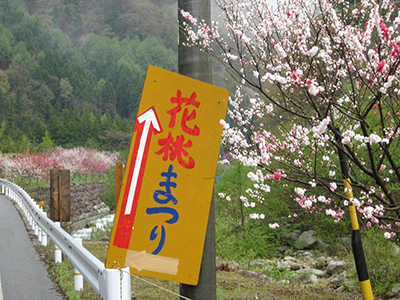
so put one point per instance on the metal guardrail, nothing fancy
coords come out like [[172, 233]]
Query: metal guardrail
[[107, 283]]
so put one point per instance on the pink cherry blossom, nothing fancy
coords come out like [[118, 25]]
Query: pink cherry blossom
[[380, 67], [277, 176], [310, 82], [396, 50], [384, 30]]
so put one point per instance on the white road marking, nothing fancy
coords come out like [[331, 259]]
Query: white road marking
[[1, 292]]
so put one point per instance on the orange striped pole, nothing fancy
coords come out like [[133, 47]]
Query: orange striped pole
[[356, 243]]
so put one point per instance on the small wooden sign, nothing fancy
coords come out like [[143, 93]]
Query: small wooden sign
[[60, 195]]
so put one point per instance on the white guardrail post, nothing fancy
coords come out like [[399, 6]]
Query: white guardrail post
[[57, 251], [78, 278], [109, 284]]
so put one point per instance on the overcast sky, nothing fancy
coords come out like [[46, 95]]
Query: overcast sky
[[273, 2], [215, 10]]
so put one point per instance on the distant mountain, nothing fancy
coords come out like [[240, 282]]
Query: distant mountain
[[76, 68]]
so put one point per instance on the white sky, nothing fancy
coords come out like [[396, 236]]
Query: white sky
[[273, 3]]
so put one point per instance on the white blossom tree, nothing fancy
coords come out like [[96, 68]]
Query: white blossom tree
[[327, 73]]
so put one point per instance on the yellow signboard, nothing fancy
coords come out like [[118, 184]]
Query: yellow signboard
[[162, 214]]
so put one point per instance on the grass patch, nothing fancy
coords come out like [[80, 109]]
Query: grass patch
[[230, 285]]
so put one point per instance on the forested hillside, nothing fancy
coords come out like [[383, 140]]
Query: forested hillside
[[76, 68]]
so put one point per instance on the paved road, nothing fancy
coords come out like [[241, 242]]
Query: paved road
[[22, 274]]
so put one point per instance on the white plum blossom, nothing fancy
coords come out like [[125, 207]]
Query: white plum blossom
[[308, 203], [355, 202], [387, 235], [312, 79], [313, 51], [368, 211], [274, 225], [279, 49], [321, 128], [300, 191], [374, 138], [313, 89], [330, 212]]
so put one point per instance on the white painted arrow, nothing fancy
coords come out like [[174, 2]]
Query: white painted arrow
[[149, 117], [150, 262]]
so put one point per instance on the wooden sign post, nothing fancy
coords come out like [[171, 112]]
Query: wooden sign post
[[60, 195]]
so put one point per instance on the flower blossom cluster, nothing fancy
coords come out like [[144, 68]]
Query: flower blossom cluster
[[314, 77], [78, 160]]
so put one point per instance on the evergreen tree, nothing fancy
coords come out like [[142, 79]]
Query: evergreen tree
[[47, 143]]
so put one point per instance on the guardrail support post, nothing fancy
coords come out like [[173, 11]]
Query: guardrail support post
[[57, 251], [40, 235], [117, 282], [36, 229], [78, 278], [44, 235]]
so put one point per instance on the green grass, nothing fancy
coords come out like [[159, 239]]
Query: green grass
[[230, 285]]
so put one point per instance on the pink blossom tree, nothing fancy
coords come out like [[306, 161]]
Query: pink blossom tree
[[77, 160], [313, 77]]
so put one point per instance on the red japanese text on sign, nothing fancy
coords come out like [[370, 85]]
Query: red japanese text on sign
[[171, 147]]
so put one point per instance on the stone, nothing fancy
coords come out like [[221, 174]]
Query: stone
[[263, 264], [304, 255], [335, 267], [306, 240], [396, 249], [322, 245], [395, 291], [258, 276], [320, 262], [310, 278], [284, 281], [294, 266], [234, 266], [292, 236], [283, 249], [316, 272], [340, 289], [289, 258], [337, 280], [283, 265]]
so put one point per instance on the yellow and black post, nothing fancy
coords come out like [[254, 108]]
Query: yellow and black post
[[356, 243]]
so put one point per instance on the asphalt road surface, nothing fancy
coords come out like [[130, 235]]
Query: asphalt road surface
[[22, 274]]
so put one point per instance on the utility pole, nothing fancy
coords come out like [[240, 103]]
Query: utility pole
[[197, 65]]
